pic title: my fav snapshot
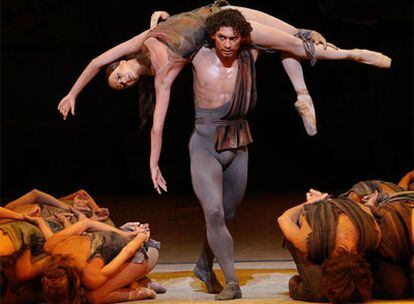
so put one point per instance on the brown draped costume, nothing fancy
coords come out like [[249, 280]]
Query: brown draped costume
[[369, 187], [323, 217], [393, 263]]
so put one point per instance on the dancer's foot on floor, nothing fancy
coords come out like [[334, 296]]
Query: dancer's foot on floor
[[148, 283], [209, 278], [230, 292], [305, 108], [372, 58], [141, 293]]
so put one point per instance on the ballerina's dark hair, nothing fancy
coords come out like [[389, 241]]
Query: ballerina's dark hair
[[146, 102]]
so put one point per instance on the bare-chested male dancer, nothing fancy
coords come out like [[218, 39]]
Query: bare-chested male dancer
[[224, 90]]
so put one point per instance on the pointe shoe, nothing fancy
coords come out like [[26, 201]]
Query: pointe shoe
[[305, 108], [148, 283], [209, 278], [372, 58], [141, 293], [230, 292]]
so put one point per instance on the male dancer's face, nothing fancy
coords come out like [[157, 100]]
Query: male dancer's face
[[227, 42]]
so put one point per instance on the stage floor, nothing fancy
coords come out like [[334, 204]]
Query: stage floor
[[261, 282], [263, 266]]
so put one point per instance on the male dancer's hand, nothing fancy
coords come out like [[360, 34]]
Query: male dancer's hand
[[158, 180], [67, 104], [317, 38]]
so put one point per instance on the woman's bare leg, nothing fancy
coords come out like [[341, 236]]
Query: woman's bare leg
[[128, 273], [263, 18], [268, 37], [303, 104], [128, 294]]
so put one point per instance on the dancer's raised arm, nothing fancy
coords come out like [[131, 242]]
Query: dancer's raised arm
[[132, 45]]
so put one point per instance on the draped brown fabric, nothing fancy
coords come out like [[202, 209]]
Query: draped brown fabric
[[394, 217], [185, 33], [368, 187], [323, 217], [23, 235], [236, 133]]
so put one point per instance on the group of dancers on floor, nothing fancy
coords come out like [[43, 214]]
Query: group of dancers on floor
[[72, 244], [347, 249]]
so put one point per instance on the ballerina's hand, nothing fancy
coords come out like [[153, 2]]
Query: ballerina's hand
[[157, 17], [67, 104], [158, 180]]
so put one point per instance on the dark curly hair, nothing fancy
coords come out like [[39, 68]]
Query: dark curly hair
[[229, 18], [346, 278]]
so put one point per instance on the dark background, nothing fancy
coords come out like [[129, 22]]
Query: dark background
[[365, 115]]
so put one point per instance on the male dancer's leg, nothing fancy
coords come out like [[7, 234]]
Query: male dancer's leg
[[207, 179], [234, 186]]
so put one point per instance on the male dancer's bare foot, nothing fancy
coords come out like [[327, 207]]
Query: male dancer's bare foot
[[372, 58], [305, 108], [230, 292], [209, 278]]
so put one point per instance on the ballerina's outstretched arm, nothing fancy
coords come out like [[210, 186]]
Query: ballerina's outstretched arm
[[67, 104]]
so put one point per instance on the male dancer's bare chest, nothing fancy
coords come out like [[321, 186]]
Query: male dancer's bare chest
[[213, 82]]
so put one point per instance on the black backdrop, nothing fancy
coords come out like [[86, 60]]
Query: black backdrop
[[365, 115]]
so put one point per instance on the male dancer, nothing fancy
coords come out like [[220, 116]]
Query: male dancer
[[224, 91]]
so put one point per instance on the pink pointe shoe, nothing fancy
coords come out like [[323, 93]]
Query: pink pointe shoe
[[305, 108], [372, 58]]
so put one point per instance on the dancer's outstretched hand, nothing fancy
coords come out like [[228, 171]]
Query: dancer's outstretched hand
[[67, 104], [158, 180], [157, 17]]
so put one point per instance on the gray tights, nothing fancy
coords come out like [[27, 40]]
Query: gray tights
[[219, 181]]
